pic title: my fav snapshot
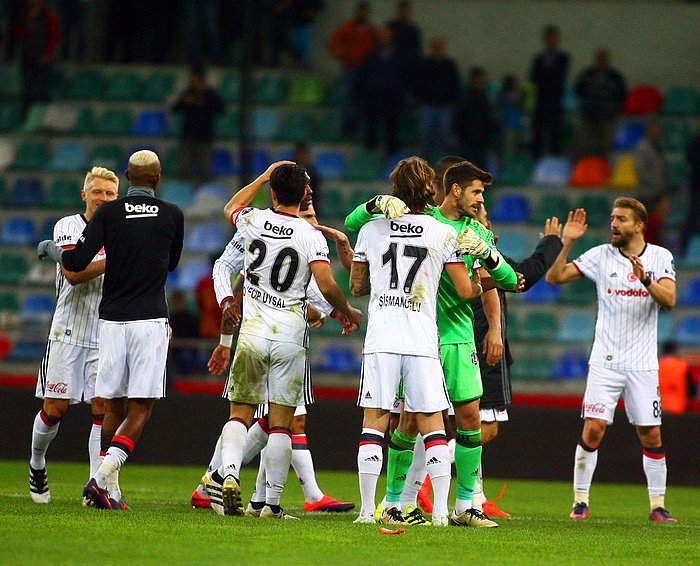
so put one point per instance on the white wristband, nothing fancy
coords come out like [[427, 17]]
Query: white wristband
[[226, 340]]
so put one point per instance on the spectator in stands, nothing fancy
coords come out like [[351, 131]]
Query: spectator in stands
[[474, 123], [436, 86], [406, 34], [34, 35], [382, 84], [650, 165], [350, 44], [692, 223], [659, 209], [302, 157], [199, 105], [601, 90], [548, 72], [73, 31], [302, 14], [675, 380], [203, 34], [185, 325], [511, 104], [209, 309]]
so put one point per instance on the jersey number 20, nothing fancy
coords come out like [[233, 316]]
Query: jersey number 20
[[277, 265]]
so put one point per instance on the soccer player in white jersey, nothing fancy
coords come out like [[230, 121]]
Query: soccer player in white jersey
[[282, 252], [69, 368], [400, 262], [634, 280]]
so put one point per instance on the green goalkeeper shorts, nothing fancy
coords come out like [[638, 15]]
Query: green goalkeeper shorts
[[460, 365]]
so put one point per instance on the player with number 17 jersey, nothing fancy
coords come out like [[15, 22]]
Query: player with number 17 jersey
[[279, 248]]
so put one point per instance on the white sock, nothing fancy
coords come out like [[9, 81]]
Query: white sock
[[215, 462], [584, 465], [233, 440], [257, 440], [654, 463], [94, 444], [478, 496], [437, 459], [43, 433], [370, 457], [115, 491], [278, 457], [259, 493], [415, 475], [110, 465], [303, 465]]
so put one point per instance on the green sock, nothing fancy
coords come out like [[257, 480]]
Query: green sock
[[400, 458], [467, 458]]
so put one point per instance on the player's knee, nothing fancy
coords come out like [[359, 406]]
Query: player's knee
[[593, 431], [650, 437], [299, 424], [56, 408]]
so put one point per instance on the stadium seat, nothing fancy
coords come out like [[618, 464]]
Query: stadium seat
[[538, 326], [230, 88], [115, 122], [691, 257], [665, 327], [123, 86], [334, 203], [691, 293], [265, 123], [46, 230], [551, 171], [7, 153], [513, 243], [27, 192], [3, 191], [408, 129], [209, 199], [85, 85], [510, 208], [335, 93], [107, 155], [31, 156], [175, 125], [10, 117], [223, 163], [515, 170], [365, 166], [13, 267], [259, 161], [157, 87], [69, 156], [178, 192], [329, 127], [688, 331], [307, 91], [337, 358], [27, 349], [590, 171], [59, 118], [171, 161], [189, 274], [64, 193], [628, 135], [151, 123], [624, 175], [85, 122], [359, 196], [542, 292], [271, 89], [18, 231], [227, 126], [206, 237], [675, 135], [677, 170], [534, 368], [330, 164], [681, 101], [598, 209], [585, 243], [37, 308], [576, 327], [550, 205], [297, 126], [34, 118], [8, 302], [642, 99], [579, 292], [570, 364], [390, 162]]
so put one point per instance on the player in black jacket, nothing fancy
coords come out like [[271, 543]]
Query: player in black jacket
[[142, 237]]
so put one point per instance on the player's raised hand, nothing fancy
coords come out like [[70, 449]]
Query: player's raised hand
[[638, 267], [575, 226], [520, 286], [552, 227], [390, 206], [336, 235], [470, 243], [219, 360], [265, 177]]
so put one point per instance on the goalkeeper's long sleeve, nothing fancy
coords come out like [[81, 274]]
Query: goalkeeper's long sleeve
[[504, 275], [358, 218]]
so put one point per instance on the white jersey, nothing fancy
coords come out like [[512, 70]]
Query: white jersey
[[406, 258], [626, 328], [279, 250], [75, 320]]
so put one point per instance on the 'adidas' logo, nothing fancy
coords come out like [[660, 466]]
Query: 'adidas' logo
[[368, 395], [402, 477], [434, 460], [374, 458], [613, 274]]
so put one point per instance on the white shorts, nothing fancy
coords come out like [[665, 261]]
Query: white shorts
[[267, 371], [263, 409], [133, 356], [640, 390], [493, 415], [423, 382], [67, 372]]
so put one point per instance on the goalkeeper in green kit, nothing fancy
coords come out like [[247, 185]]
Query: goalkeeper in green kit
[[464, 185]]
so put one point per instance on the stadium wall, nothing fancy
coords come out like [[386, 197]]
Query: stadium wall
[[537, 443], [651, 41]]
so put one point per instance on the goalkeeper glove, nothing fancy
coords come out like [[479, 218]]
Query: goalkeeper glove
[[470, 243], [49, 248], [390, 206]]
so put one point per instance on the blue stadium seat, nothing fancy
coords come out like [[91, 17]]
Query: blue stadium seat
[[552, 171], [265, 123], [209, 199], [331, 164], [37, 308], [513, 243], [576, 327], [18, 231], [570, 364], [542, 292], [691, 293], [222, 162], [46, 230], [628, 134], [25, 193], [207, 238], [189, 274], [178, 192], [259, 161], [27, 349], [688, 331], [692, 253], [391, 162], [338, 358], [69, 156], [510, 208], [666, 327], [150, 123]]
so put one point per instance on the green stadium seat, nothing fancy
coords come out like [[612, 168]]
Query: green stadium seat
[[3, 190], [230, 88], [307, 91], [579, 292], [9, 302], [576, 327], [13, 267], [681, 101], [598, 209], [171, 161], [7, 153], [516, 170], [535, 368], [365, 166], [342, 278], [334, 203], [271, 89], [227, 126], [10, 83], [677, 171], [107, 155], [34, 118], [124, 86], [175, 125], [31, 156], [513, 325], [297, 126], [586, 242], [550, 205], [408, 129], [158, 87], [675, 135], [85, 123], [64, 193], [85, 85], [329, 127], [10, 117], [335, 93], [538, 325], [57, 84], [115, 122], [359, 196]]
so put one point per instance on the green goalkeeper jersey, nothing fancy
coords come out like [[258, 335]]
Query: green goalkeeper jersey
[[455, 315]]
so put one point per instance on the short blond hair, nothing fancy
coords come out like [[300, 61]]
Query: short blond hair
[[100, 173]]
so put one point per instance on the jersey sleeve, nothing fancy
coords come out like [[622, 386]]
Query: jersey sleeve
[[504, 275], [243, 215], [360, 255], [668, 267], [65, 233], [88, 244], [588, 263], [318, 248], [316, 298], [358, 218], [230, 262]]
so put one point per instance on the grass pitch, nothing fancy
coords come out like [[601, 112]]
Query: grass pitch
[[162, 528]]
